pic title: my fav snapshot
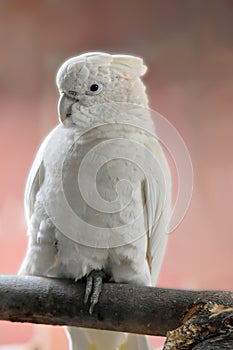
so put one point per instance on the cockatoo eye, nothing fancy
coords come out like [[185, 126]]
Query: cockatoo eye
[[72, 93], [95, 89]]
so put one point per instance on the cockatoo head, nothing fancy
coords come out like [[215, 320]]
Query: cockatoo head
[[96, 78]]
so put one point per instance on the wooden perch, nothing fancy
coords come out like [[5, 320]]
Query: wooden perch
[[190, 319]]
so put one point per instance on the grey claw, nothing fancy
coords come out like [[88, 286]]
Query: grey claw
[[97, 287], [89, 284], [93, 288]]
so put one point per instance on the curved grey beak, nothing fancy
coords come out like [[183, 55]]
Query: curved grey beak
[[64, 107]]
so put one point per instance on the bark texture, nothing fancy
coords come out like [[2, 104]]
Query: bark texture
[[190, 319]]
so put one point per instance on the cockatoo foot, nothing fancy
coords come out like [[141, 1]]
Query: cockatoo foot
[[93, 287]]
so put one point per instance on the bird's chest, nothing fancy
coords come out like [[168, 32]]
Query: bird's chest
[[96, 177]]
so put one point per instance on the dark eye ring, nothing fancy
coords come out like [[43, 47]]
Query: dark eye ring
[[95, 88], [73, 93]]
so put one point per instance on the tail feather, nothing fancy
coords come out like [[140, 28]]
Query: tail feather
[[92, 339], [137, 342]]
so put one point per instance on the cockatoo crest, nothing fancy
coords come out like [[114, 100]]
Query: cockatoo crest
[[128, 65]]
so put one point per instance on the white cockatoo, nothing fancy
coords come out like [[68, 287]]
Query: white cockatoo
[[98, 197]]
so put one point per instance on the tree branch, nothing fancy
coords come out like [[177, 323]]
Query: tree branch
[[194, 316]]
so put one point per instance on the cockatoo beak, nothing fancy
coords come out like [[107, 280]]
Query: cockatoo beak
[[64, 107]]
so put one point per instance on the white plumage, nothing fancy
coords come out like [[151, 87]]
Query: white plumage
[[104, 112]]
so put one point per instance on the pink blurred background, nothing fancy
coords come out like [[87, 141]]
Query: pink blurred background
[[188, 46]]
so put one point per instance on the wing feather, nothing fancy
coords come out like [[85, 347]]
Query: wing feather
[[35, 178], [158, 209]]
